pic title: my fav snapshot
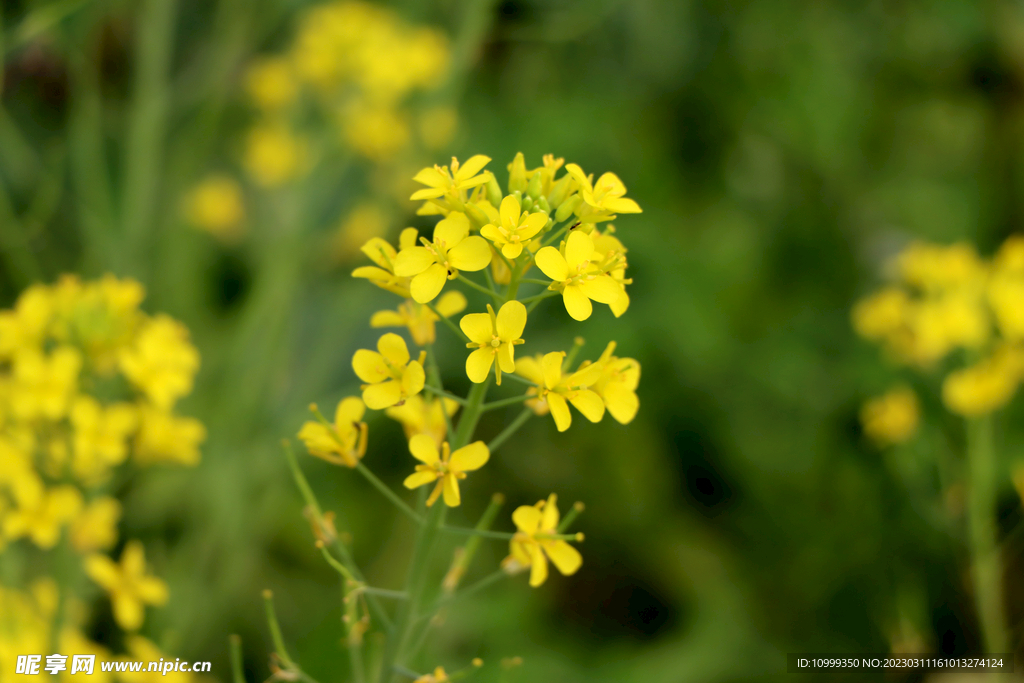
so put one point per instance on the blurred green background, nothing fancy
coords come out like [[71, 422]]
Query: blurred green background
[[782, 152]]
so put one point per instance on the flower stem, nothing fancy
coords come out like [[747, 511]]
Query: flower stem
[[388, 493], [275, 629], [235, 645], [465, 280], [540, 297], [441, 392], [501, 403], [986, 562], [434, 378], [452, 326], [510, 430]]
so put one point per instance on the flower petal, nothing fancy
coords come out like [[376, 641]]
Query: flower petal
[[152, 590], [387, 319], [529, 368], [393, 348], [564, 556], [469, 458], [506, 357], [102, 570], [451, 303], [471, 254], [369, 366], [383, 395], [559, 411], [551, 366], [538, 566], [451, 491], [451, 230], [431, 177], [478, 364], [128, 611], [374, 248], [509, 211], [418, 479], [413, 261], [413, 379], [478, 327], [621, 402], [578, 248], [588, 403], [549, 519], [428, 284], [602, 289], [472, 166], [621, 205], [511, 320], [533, 224], [552, 264], [493, 234], [424, 449], [527, 519], [512, 250], [349, 410], [576, 302]]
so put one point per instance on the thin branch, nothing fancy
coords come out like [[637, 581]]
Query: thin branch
[[388, 493]]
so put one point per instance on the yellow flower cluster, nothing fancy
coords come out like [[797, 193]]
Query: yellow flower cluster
[[891, 418], [948, 298], [88, 381]]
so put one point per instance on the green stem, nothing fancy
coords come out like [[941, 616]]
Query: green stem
[[235, 644], [493, 405], [451, 325], [534, 281], [517, 378], [474, 587], [570, 516], [540, 297], [986, 561], [441, 392], [471, 414], [494, 295], [388, 493], [483, 533], [510, 430], [434, 377], [385, 593], [275, 629]]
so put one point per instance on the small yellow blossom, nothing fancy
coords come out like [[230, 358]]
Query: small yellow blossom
[[419, 415], [447, 188], [494, 337], [935, 267], [40, 514], [26, 325], [515, 227], [390, 375], [128, 584], [985, 386], [216, 205], [438, 676], [44, 385], [610, 257], [95, 527], [891, 418], [418, 318], [446, 468], [616, 385], [274, 155], [344, 442], [164, 437], [271, 84], [452, 250], [534, 543], [570, 274], [377, 132], [881, 314], [606, 196], [383, 254], [100, 436], [162, 362], [1006, 289], [556, 389]]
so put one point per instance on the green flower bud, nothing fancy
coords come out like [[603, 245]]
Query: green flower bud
[[517, 174], [533, 187], [542, 204], [560, 191], [494, 194], [568, 207], [476, 216]]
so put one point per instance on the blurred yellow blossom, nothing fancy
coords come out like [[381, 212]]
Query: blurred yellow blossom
[[44, 385], [344, 442], [162, 362], [100, 436], [446, 468], [534, 543], [418, 318], [216, 205], [95, 527], [390, 375], [40, 514], [274, 155], [419, 415], [985, 386], [376, 132], [25, 325], [366, 221], [271, 83], [891, 418], [129, 586], [437, 676], [383, 254], [164, 437]]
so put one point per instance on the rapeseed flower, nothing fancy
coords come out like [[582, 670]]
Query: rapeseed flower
[[162, 361], [40, 514], [271, 83], [390, 375], [447, 188], [446, 468], [274, 155], [418, 318], [129, 585], [605, 197], [419, 415], [452, 250], [437, 676], [216, 205], [558, 390], [494, 337], [43, 385], [383, 254], [515, 228], [891, 418], [342, 443], [570, 273], [534, 542], [610, 257], [26, 325], [165, 437], [100, 436], [95, 527], [985, 386], [616, 384]]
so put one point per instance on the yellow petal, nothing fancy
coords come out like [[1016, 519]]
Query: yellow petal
[[431, 177], [478, 364], [372, 273], [576, 303], [128, 612], [393, 348], [426, 193], [103, 571], [621, 205], [551, 365], [152, 591], [538, 566], [407, 238], [578, 175], [387, 319], [418, 479], [369, 366], [471, 254], [413, 261], [470, 458], [588, 403], [578, 248], [451, 491], [602, 289], [383, 395], [379, 251], [620, 305], [349, 410], [559, 411], [493, 234], [621, 402], [511, 320], [472, 166], [451, 303], [478, 327], [509, 211], [413, 379], [133, 559], [552, 264], [533, 224], [451, 230], [530, 369], [564, 556], [520, 553], [527, 519], [512, 250], [424, 449], [428, 284], [506, 357], [549, 521]]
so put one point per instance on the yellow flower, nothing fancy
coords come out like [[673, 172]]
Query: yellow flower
[[445, 468], [606, 196], [40, 514], [515, 228], [570, 274], [95, 528], [274, 155], [891, 418], [881, 314], [985, 386], [128, 584], [161, 362], [344, 442], [366, 221], [390, 376], [617, 383], [533, 544], [610, 257], [447, 188], [555, 389], [452, 250], [164, 437], [99, 317], [438, 676], [935, 267], [377, 132], [143, 650], [423, 416], [44, 385], [271, 83], [1006, 289], [419, 318], [26, 325], [100, 436], [383, 254], [494, 337], [216, 206]]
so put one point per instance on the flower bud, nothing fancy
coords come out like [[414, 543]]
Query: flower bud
[[560, 191], [517, 174], [568, 207], [542, 204], [494, 194], [476, 216], [533, 187]]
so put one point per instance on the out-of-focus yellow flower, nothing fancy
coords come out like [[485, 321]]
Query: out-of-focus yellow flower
[[344, 442], [271, 83], [437, 126], [40, 514], [274, 155], [44, 385], [216, 205], [935, 267], [891, 418], [617, 383], [24, 624], [95, 527], [606, 196], [453, 249], [383, 254], [100, 436], [129, 586], [164, 437], [390, 375], [419, 415], [986, 386], [26, 325], [1006, 289], [515, 228], [534, 543], [98, 317], [438, 676], [494, 338], [556, 389], [376, 132], [162, 362], [447, 188], [881, 314], [570, 273], [367, 221], [445, 468], [418, 318], [143, 650]]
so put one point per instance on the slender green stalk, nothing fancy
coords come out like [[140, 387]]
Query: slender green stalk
[[474, 587], [504, 402], [448, 323], [434, 378], [338, 566], [385, 593], [388, 493], [490, 280], [235, 644], [464, 556], [441, 392], [570, 516], [470, 414], [533, 281], [494, 295], [275, 629], [986, 560], [465, 531], [540, 297], [520, 420], [517, 378]]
